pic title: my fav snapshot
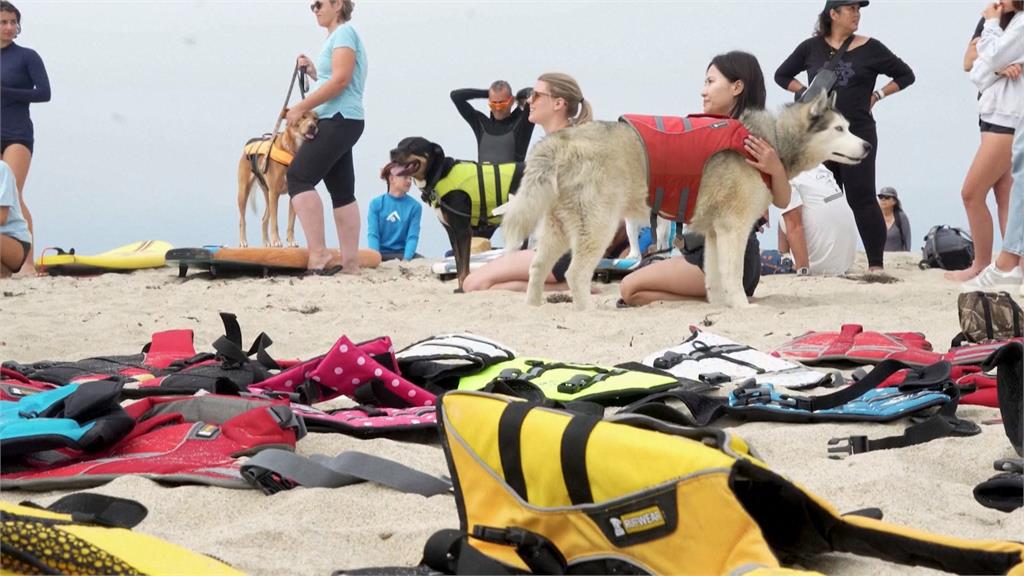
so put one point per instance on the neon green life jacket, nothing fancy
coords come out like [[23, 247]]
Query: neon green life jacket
[[488, 186]]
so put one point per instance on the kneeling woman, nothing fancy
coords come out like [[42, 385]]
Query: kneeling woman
[[734, 83], [555, 103]]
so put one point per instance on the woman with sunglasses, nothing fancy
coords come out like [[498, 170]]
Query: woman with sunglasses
[[556, 103], [339, 75], [856, 96], [24, 82]]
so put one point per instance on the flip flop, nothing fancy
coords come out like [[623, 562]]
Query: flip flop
[[330, 271]]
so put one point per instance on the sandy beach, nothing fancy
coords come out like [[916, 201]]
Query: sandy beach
[[317, 531]]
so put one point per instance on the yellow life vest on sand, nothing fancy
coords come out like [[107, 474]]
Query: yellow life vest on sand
[[540, 489], [37, 541], [261, 146], [488, 186]]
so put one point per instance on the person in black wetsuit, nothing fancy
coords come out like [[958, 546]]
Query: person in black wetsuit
[[504, 135], [23, 81], [858, 69]]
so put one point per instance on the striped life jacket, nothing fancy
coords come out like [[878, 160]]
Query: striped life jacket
[[677, 149], [488, 186]]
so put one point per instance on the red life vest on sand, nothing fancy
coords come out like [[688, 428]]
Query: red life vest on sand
[[677, 149]]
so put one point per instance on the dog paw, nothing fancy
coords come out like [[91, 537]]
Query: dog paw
[[243, 244]]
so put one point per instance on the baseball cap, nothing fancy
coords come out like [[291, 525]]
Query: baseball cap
[[888, 192], [832, 4]]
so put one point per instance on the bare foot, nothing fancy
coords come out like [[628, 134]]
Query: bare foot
[[350, 268], [966, 274], [318, 260]]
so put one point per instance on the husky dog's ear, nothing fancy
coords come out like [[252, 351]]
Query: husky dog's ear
[[820, 104]]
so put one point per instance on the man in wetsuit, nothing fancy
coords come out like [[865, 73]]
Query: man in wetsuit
[[504, 135]]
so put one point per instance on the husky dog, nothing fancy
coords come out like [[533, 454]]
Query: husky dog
[[579, 183]]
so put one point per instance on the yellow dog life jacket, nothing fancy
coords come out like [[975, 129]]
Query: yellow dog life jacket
[[488, 186], [39, 541], [260, 146], [540, 489]]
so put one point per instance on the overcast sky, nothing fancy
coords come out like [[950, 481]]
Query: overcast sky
[[152, 101]]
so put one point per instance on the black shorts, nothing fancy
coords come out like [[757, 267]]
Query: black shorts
[[328, 159], [994, 128], [25, 248], [561, 267], [5, 143], [694, 254]]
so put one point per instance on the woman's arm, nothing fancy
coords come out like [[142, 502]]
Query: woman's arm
[[5, 211], [999, 47], [785, 75], [40, 91], [971, 54]]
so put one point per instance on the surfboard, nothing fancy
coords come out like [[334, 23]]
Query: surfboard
[[445, 269], [607, 270], [262, 262], [135, 256]]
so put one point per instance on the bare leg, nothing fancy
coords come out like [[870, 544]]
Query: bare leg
[[990, 163], [671, 279], [1002, 193], [346, 219], [310, 210], [19, 158]]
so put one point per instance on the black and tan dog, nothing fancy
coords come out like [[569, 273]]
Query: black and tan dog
[[254, 167], [464, 194]]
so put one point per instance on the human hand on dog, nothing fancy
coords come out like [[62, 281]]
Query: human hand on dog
[[1013, 71], [306, 65], [766, 159], [294, 114]]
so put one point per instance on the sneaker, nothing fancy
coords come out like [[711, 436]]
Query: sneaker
[[992, 279]]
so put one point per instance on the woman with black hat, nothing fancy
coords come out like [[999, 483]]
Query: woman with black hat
[[859, 60]]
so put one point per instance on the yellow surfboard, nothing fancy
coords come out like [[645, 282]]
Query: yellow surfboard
[[134, 256]]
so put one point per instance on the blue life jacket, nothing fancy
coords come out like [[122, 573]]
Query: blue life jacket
[[85, 417]]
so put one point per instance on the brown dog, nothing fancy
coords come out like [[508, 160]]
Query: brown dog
[[254, 167]]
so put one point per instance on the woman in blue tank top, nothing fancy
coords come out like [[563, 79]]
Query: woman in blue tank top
[[23, 81], [339, 75]]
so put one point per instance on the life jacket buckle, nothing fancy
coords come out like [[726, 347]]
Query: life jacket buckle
[[1012, 465], [752, 395], [839, 448], [267, 481], [576, 383]]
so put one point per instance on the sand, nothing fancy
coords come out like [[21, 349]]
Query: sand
[[316, 531]]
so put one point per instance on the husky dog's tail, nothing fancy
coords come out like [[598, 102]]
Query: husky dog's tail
[[537, 193]]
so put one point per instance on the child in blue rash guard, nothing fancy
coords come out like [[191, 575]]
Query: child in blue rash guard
[[393, 222]]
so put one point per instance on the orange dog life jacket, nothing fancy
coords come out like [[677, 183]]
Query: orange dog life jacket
[[676, 149], [259, 147]]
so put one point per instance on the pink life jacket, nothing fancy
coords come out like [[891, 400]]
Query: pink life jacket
[[677, 149]]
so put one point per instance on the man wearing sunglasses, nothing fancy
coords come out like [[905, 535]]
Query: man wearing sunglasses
[[504, 135]]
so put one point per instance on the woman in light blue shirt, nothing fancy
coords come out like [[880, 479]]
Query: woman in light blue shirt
[[339, 75], [15, 240]]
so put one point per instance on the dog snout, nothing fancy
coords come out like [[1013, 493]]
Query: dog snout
[[868, 148]]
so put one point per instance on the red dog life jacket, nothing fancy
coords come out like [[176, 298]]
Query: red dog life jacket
[[676, 150]]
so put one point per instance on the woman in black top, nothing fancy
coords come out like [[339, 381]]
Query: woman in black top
[[857, 71]]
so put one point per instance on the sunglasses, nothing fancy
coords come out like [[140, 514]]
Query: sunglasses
[[880, 197], [500, 105], [315, 6], [535, 94]]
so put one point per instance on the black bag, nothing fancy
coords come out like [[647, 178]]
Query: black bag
[[988, 317], [825, 79], [947, 248]]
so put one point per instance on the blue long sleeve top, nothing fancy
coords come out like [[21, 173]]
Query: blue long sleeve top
[[393, 224], [23, 80]]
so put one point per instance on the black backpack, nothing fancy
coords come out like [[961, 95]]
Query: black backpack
[[948, 248]]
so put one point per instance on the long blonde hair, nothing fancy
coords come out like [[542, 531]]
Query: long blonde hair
[[565, 87]]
